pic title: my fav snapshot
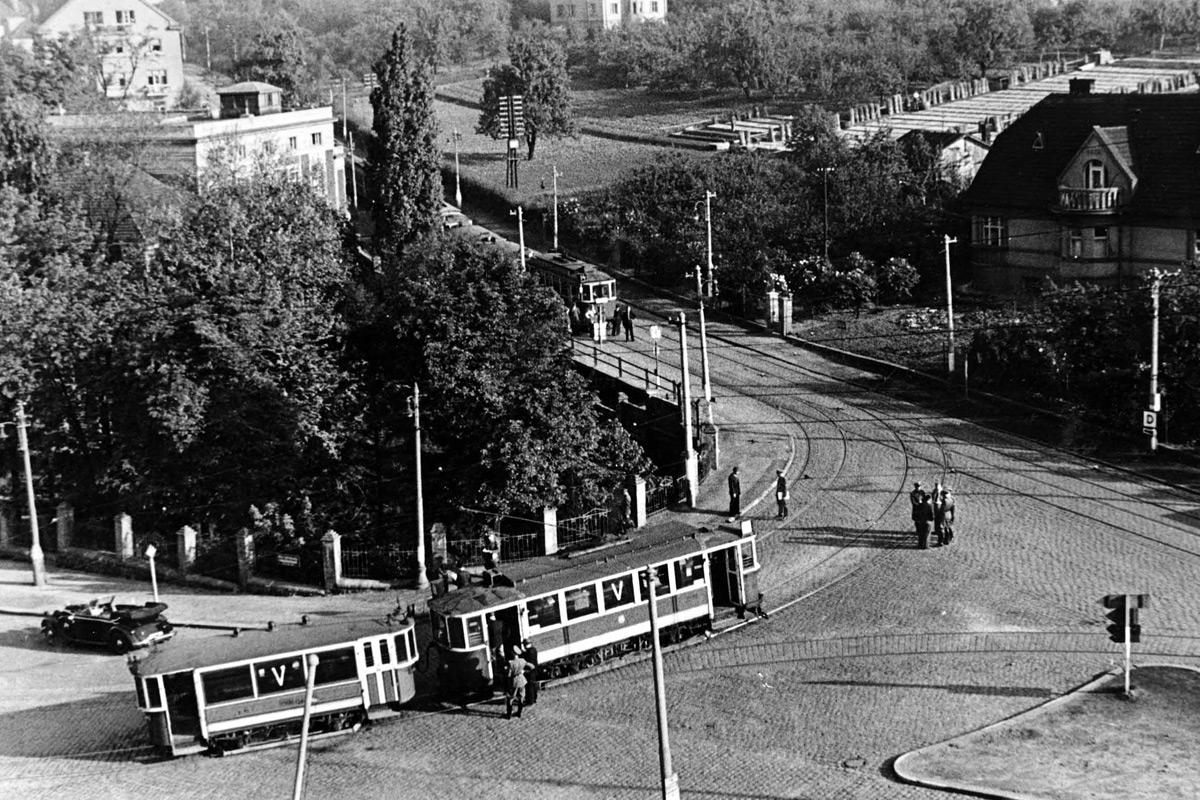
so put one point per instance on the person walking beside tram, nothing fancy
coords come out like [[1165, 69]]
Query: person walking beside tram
[[735, 495]]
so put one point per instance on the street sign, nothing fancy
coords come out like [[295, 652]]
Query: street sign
[[655, 332], [512, 117], [370, 80], [1149, 419]]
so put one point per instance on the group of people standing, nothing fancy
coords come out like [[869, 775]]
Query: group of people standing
[[735, 495], [932, 512], [622, 318]]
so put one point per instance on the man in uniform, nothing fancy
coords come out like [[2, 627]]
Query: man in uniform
[[735, 495], [517, 681], [781, 493]]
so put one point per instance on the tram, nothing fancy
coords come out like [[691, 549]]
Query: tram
[[586, 610], [248, 691]]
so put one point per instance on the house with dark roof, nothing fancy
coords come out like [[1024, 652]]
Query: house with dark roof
[[1088, 187]]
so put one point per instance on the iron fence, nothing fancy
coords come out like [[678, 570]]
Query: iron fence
[[664, 492], [587, 528], [380, 563]]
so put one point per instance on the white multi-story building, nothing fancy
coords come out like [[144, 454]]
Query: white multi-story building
[[606, 13], [251, 135], [139, 50]]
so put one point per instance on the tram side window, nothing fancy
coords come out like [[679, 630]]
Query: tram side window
[[221, 685], [280, 675], [618, 591], [153, 695], [544, 611], [385, 651], [474, 631], [336, 665], [402, 647], [458, 639], [581, 602], [688, 571], [663, 573], [749, 560]]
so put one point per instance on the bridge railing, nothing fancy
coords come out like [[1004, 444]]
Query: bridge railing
[[624, 368]]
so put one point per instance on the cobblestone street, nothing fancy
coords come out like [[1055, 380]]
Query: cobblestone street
[[873, 647]]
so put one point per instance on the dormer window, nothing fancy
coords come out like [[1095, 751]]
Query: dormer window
[[1095, 175]]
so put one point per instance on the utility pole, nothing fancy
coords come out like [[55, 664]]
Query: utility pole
[[949, 307], [345, 118], [1155, 291], [207, 51], [690, 468], [670, 780], [36, 558], [825, 201], [298, 787], [520, 212], [555, 173], [414, 411], [457, 137], [353, 171], [709, 281], [707, 386]]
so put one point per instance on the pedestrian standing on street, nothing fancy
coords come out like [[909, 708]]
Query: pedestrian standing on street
[[735, 495], [627, 321], [916, 496], [923, 518], [530, 654], [781, 493], [516, 685], [944, 517], [617, 317]]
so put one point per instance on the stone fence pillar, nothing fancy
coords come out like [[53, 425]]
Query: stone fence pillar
[[185, 540], [331, 559], [64, 526], [123, 535], [637, 492], [6, 525], [244, 542], [785, 313], [550, 530]]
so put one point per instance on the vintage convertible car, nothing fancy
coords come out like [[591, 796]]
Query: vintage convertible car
[[118, 627]]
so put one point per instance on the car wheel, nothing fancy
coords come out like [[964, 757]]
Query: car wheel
[[119, 642], [50, 633]]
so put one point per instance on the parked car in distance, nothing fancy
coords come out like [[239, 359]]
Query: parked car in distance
[[120, 628]]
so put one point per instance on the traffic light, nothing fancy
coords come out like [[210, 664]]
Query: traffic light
[[1117, 604]]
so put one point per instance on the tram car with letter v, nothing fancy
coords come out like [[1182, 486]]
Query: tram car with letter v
[[246, 691], [583, 611]]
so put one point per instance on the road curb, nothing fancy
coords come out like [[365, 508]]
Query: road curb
[[903, 772]]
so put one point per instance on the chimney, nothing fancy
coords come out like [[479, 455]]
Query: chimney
[[1081, 85]]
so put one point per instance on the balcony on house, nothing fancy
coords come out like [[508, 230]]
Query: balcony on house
[[1092, 201]]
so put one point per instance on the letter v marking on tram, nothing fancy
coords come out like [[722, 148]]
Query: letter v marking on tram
[[618, 589], [279, 672]]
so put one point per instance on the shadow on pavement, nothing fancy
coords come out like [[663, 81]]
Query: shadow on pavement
[[833, 536], [952, 688], [104, 727]]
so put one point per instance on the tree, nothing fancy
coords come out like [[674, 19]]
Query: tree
[[25, 150], [537, 71], [988, 32], [278, 58], [405, 156]]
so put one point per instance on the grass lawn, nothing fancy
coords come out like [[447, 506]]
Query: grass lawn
[[1091, 744], [914, 336]]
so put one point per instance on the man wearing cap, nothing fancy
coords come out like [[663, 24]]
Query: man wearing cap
[[943, 516], [735, 495], [917, 497]]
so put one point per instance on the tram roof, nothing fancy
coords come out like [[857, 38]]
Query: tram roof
[[181, 654], [538, 576]]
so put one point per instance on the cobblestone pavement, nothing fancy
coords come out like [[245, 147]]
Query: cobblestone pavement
[[873, 647]]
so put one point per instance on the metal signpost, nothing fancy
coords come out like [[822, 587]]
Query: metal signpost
[[670, 779], [298, 789]]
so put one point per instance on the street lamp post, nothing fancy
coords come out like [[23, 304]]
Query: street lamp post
[[690, 468], [36, 558], [555, 173], [949, 307], [457, 137], [414, 410], [709, 280], [708, 398], [520, 214], [1155, 291], [670, 780], [151, 552], [298, 785]]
